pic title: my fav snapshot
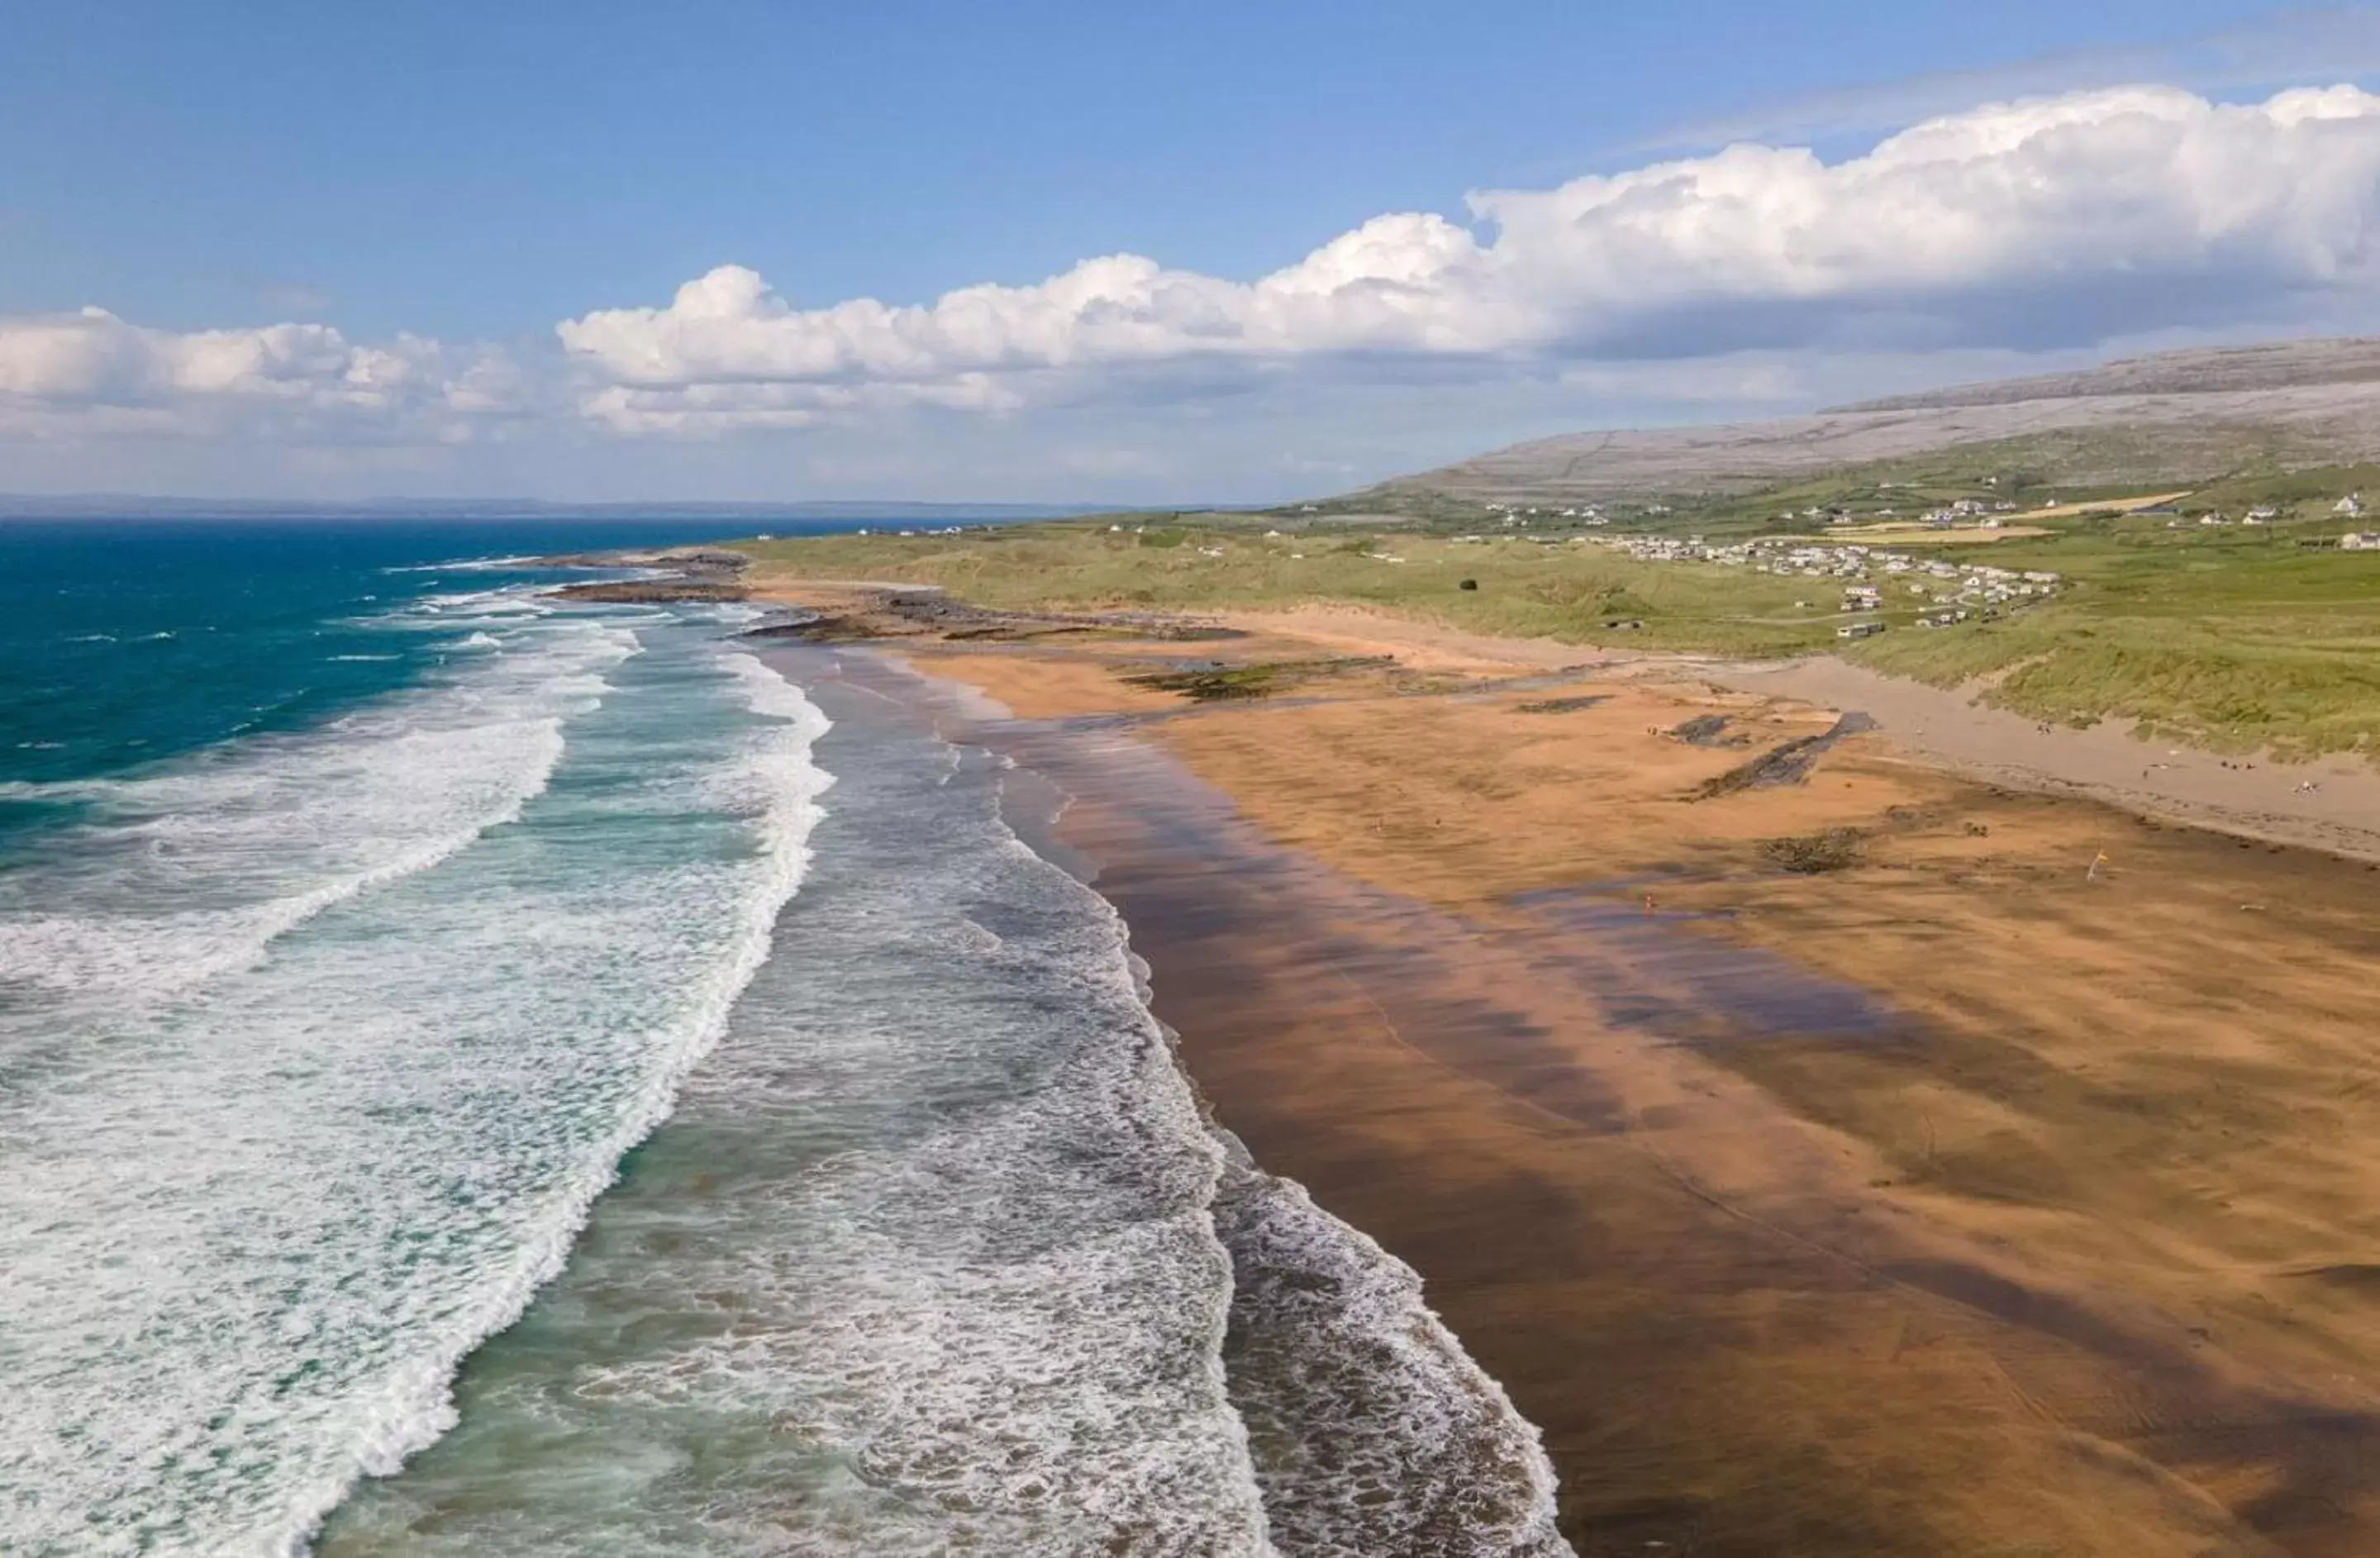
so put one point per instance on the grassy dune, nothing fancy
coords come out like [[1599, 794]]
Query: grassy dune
[[1567, 591], [2237, 638]]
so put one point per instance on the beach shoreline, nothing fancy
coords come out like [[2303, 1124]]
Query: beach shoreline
[[1368, 1428], [1726, 1171]]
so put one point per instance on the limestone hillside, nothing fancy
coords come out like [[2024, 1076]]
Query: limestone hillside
[[2174, 416]]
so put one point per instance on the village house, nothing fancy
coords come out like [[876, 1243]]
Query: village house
[[1982, 586]]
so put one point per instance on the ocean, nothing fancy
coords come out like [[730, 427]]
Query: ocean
[[486, 1074]]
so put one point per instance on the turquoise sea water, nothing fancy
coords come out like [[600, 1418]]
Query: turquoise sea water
[[356, 912], [483, 1074], [124, 641]]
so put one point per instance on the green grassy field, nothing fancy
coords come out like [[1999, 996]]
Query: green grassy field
[[2236, 638], [1568, 591]]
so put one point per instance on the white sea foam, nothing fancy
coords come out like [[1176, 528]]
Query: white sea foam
[[1378, 1433], [774, 787], [1381, 1434], [186, 873], [507, 600], [948, 1283], [465, 565], [247, 1235], [953, 1252]]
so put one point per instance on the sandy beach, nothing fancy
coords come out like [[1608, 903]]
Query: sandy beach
[[2331, 803], [2002, 1188]]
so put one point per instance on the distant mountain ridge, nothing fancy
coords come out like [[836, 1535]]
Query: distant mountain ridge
[[2185, 416], [2270, 366]]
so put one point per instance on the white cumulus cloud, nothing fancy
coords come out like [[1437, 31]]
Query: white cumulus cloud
[[91, 369], [2050, 222], [2038, 229]]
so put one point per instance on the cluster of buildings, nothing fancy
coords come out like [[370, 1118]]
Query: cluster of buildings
[[1950, 593], [2348, 508], [1513, 515], [1965, 510], [2263, 514]]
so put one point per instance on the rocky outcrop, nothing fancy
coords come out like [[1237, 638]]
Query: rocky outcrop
[[928, 613], [625, 589], [689, 572]]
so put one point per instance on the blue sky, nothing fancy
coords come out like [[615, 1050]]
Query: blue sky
[[447, 186]]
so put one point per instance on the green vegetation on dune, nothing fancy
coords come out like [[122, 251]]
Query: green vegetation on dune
[[2233, 636], [2235, 639], [1573, 593]]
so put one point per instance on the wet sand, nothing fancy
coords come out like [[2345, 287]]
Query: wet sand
[[2007, 1191]]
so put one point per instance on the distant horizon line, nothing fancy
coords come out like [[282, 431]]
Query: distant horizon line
[[134, 505]]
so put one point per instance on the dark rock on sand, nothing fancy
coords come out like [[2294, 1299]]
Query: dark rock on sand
[[1788, 764], [655, 590]]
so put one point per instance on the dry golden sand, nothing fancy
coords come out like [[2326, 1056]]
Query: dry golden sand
[[2081, 1257]]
